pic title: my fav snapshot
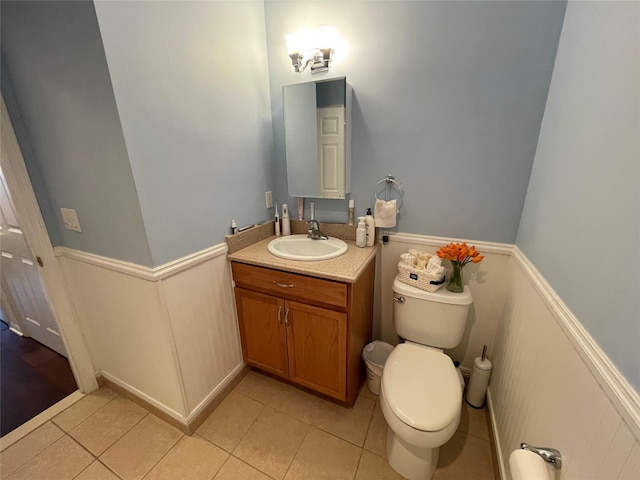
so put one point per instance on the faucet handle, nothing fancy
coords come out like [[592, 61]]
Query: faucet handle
[[314, 232]]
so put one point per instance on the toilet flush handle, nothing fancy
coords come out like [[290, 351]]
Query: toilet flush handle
[[399, 299]]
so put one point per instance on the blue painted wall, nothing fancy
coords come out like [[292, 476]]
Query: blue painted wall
[[33, 167], [448, 97], [190, 80], [151, 119], [581, 220], [53, 55]]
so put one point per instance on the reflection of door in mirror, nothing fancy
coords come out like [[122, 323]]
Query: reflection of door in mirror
[[317, 130], [331, 151]]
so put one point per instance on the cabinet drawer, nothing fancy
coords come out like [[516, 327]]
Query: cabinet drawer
[[290, 285]]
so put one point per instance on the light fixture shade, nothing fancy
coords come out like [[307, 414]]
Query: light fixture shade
[[326, 37], [314, 48], [298, 42]]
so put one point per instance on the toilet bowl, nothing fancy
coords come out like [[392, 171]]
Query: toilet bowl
[[420, 398], [421, 389]]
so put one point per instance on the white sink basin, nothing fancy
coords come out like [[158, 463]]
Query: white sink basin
[[300, 247]]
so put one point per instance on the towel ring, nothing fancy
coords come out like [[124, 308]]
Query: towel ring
[[389, 181]]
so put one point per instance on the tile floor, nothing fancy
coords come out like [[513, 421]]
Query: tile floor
[[263, 430]]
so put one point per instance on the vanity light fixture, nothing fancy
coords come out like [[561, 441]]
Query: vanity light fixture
[[312, 48]]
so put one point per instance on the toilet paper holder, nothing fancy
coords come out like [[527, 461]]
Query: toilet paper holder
[[549, 455]]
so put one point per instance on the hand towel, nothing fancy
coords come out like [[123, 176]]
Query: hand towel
[[385, 213]]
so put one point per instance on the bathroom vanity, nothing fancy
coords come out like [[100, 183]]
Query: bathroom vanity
[[306, 322]]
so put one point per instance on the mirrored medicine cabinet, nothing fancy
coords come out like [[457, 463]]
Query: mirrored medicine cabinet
[[317, 131]]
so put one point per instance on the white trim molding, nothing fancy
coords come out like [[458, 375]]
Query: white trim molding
[[488, 247], [140, 271], [552, 385], [181, 349]]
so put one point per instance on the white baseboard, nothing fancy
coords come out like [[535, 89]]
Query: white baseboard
[[496, 437], [187, 424], [202, 406], [180, 419]]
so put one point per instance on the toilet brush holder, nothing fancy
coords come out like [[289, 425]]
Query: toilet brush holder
[[479, 381]]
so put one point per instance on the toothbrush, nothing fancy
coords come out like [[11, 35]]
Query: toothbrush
[[277, 221]]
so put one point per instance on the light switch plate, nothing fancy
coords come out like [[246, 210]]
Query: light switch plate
[[268, 199], [70, 218]]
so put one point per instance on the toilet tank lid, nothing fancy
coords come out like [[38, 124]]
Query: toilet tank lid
[[442, 296]]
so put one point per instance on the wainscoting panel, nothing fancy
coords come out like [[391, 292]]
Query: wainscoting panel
[[544, 392], [167, 335], [201, 307], [127, 327], [487, 280]]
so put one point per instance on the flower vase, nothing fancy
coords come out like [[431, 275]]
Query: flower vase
[[454, 284]]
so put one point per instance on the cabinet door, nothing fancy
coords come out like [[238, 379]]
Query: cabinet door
[[317, 340], [263, 332]]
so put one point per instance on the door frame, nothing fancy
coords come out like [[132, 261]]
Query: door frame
[[51, 276]]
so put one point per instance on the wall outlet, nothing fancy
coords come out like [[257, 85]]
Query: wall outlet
[[268, 199], [70, 218]]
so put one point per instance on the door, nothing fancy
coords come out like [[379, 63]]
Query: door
[[317, 348], [330, 123], [22, 294], [32, 225], [262, 328]]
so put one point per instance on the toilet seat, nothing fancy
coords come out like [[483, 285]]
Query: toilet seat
[[422, 387]]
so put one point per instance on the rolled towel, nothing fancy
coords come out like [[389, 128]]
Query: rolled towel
[[435, 266], [385, 213]]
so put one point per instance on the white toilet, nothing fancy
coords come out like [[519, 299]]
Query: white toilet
[[421, 391]]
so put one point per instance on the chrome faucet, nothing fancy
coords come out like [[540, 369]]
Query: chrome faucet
[[314, 232]]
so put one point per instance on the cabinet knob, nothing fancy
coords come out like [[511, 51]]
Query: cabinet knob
[[279, 314], [286, 317], [283, 285]]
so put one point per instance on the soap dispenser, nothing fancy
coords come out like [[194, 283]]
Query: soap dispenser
[[371, 228], [361, 233]]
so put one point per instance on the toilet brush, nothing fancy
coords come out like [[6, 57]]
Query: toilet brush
[[479, 381]]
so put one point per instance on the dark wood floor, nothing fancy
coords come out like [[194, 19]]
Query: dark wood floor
[[32, 378]]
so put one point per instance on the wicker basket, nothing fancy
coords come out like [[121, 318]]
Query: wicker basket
[[420, 278]]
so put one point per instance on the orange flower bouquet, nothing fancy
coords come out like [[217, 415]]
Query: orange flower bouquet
[[459, 254]]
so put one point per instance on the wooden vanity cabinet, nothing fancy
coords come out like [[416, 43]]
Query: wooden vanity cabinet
[[308, 330], [262, 331]]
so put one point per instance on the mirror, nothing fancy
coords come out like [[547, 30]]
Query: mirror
[[317, 135]]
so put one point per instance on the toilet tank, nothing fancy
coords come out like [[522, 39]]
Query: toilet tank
[[436, 319]]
